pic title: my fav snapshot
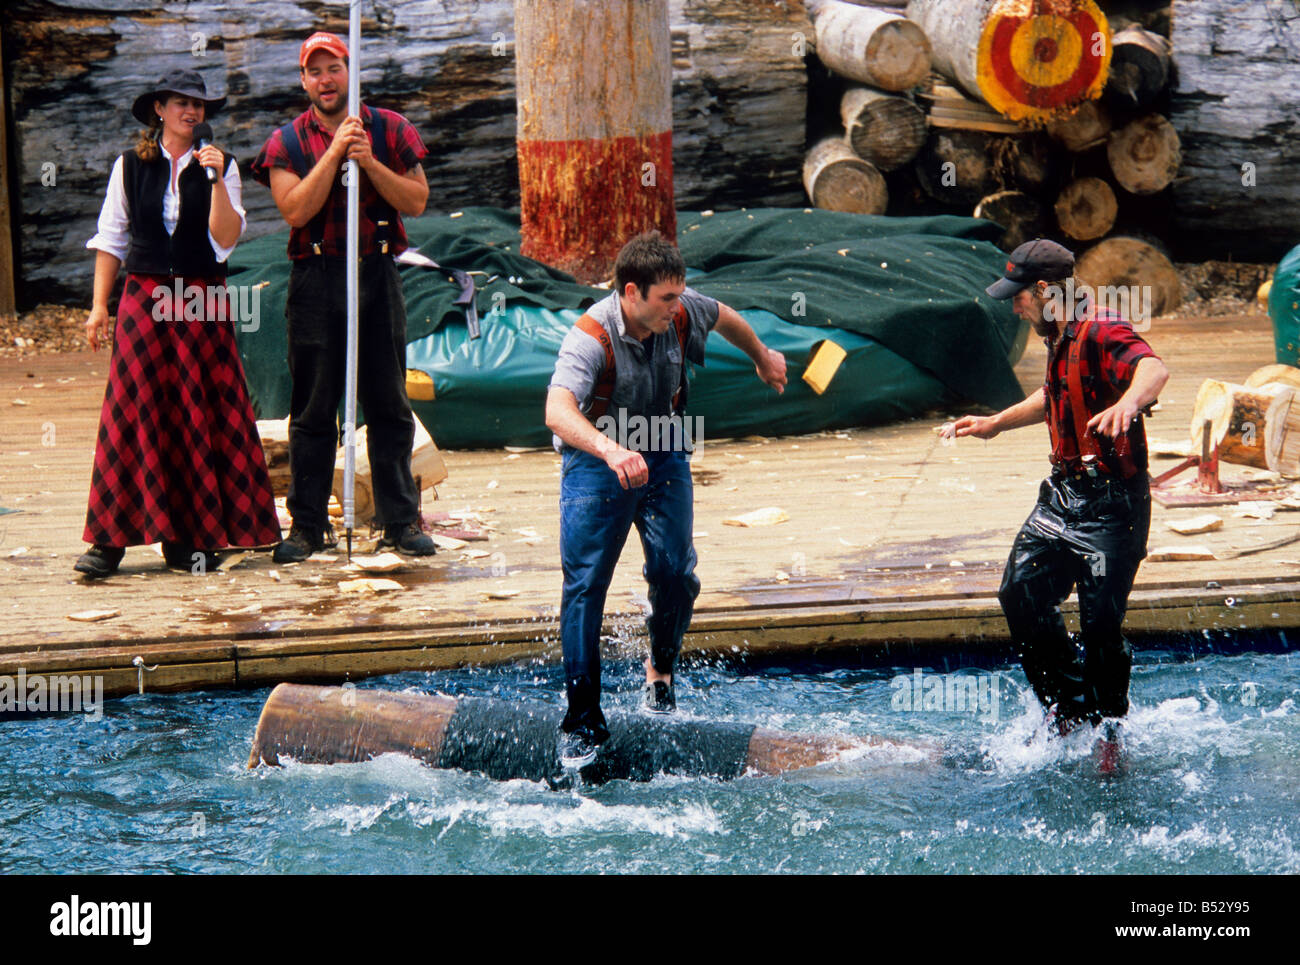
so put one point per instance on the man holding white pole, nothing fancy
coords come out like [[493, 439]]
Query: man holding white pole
[[304, 165]]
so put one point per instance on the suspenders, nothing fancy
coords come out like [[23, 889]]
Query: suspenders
[[604, 389], [1089, 451]]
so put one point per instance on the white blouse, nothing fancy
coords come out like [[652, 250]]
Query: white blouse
[[113, 235]]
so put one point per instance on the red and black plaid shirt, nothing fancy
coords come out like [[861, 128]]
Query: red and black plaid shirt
[[1108, 358], [404, 152]]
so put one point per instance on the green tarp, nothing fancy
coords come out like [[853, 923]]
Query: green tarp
[[905, 296], [1284, 308]]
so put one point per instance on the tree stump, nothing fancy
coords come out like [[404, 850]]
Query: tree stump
[[1247, 424]]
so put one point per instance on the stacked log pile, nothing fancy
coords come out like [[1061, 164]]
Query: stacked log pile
[[1046, 117]]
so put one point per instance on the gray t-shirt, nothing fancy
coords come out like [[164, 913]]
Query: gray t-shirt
[[647, 374]]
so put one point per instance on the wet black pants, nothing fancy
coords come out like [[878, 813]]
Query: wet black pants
[[1090, 535]]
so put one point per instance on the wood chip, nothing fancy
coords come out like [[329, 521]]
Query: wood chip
[[767, 516], [249, 610], [231, 561], [382, 563], [1190, 525], [1170, 554], [501, 594], [369, 585], [94, 616], [447, 542]]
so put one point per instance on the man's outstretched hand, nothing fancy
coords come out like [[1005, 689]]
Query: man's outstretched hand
[[772, 369], [979, 426]]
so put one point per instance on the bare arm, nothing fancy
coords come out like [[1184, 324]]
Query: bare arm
[[97, 325], [408, 192], [769, 364], [1026, 413], [1149, 378], [565, 419]]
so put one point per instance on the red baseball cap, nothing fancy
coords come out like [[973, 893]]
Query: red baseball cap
[[321, 40]]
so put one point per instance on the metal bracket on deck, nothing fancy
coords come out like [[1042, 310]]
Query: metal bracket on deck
[[140, 668]]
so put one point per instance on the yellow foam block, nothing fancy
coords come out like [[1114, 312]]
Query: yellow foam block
[[823, 364], [419, 385]]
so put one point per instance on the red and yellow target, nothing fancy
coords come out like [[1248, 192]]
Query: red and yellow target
[[1042, 58]]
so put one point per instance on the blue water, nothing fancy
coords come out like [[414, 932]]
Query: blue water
[[1213, 762]]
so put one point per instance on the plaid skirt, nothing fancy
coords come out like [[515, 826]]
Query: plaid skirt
[[178, 456]]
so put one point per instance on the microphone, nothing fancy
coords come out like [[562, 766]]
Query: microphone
[[203, 134]]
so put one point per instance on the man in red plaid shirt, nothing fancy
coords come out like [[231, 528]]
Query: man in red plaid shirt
[[302, 163], [1089, 528]]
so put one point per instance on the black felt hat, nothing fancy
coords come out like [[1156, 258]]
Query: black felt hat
[[186, 82]]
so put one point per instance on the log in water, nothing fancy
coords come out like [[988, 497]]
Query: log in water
[[505, 740]]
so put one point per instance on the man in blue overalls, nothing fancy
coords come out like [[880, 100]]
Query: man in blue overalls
[[616, 404]]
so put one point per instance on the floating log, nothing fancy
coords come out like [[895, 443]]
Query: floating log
[[956, 167], [1248, 425], [876, 47], [1019, 213], [1139, 67], [1145, 154], [1085, 127], [1030, 61], [1086, 209], [838, 180], [883, 129], [1122, 262], [511, 741], [595, 152]]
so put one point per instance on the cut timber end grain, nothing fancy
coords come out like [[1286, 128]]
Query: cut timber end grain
[[836, 179], [1205, 523]]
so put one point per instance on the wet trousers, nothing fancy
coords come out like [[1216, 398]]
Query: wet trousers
[[596, 515], [1090, 535]]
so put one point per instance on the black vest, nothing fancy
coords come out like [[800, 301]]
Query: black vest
[[187, 252]]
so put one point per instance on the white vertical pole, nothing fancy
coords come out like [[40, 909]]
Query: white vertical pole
[[354, 256]]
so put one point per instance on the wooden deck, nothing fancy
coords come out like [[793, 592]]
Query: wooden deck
[[895, 542]]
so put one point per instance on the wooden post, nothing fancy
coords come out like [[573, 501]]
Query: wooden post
[[8, 299], [594, 99]]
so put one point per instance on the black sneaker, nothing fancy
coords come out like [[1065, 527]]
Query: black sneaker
[[577, 750], [297, 546], [99, 561], [180, 556], [408, 539], [658, 697]]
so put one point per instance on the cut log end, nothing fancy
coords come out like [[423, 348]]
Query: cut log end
[[836, 179], [1086, 209], [1139, 279], [1145, 154]]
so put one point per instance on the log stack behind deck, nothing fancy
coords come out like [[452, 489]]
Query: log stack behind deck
[[508, 741]]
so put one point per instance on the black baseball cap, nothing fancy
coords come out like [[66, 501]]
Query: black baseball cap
[[1037, 260]]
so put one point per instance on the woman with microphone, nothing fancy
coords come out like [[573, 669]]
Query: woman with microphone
[[178, 459]]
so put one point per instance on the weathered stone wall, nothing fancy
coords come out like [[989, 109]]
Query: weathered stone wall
[[75, 67], [1236, 108]]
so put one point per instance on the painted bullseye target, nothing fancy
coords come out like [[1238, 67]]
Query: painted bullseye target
[[1041, 58]]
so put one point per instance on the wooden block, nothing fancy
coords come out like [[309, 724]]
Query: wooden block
[[419, 386], [823, 364]]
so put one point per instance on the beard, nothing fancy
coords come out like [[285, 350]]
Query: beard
[[340, 104]]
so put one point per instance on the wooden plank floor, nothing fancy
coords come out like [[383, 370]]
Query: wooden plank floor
[[878, 517]]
